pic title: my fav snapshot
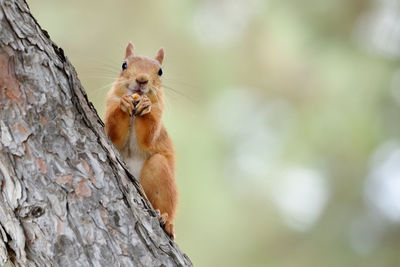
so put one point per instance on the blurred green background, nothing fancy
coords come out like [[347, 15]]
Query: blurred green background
[[284, 115]]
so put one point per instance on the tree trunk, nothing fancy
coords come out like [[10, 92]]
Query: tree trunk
[[66, 197]]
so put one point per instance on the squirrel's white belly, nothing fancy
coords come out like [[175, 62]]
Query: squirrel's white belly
[[132, 155]]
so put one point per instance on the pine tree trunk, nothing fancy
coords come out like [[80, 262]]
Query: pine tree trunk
[[66, 197]]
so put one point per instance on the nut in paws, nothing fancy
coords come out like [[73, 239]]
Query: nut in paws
[[143, 106], [127, 104]]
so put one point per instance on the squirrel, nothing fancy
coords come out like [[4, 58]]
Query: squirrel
[[134, 107]]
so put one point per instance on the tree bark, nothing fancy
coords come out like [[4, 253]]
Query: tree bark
[[66, 197]]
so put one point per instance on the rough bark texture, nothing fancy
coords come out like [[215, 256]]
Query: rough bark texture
[[66, 198]]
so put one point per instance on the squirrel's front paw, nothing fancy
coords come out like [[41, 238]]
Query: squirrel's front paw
[[127, 104], [143, 106]]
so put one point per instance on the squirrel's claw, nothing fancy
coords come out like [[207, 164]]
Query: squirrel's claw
[[168, 226], [126, 104], [143, 106], [162, 217]]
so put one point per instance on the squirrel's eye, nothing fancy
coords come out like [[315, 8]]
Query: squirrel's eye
[[124, 66], [160, 72]]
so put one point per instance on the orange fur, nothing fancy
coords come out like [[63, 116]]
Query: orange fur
[[117, 124], [134, 125]]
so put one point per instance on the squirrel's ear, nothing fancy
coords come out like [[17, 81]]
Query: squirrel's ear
[[129, 50], [160, 55]]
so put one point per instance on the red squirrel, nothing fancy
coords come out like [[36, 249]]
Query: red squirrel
[[134, 107]]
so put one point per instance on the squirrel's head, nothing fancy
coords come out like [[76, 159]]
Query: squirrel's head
[[140, 74]]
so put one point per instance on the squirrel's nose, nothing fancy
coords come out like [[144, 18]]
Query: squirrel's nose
[[142, 80]]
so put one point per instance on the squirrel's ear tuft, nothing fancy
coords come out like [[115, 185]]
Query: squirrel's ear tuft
[[160, 55], [129, 50]]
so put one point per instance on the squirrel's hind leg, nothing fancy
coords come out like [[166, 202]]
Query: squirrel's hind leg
[[158, 182]]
